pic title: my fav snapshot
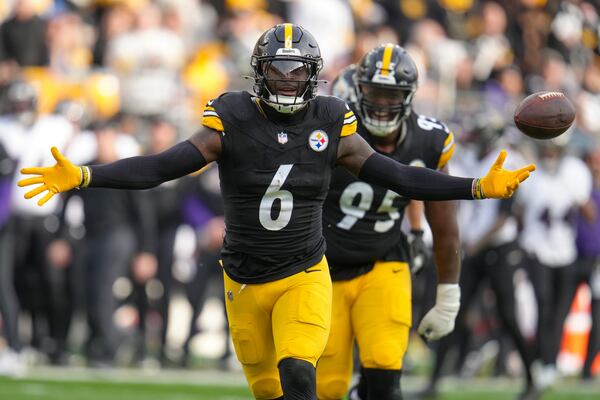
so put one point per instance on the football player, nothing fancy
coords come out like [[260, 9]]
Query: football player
[[366, 249], [276, 151]]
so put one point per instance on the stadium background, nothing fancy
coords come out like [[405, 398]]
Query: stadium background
[[133, 76]]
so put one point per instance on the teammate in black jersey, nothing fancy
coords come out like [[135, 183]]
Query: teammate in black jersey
[[366, 249], [276, 151]]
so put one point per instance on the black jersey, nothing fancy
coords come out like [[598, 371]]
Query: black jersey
[[274, 179], [362, 221]]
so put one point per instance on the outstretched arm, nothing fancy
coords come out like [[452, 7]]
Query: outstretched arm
[[141, 172], [356, 155]]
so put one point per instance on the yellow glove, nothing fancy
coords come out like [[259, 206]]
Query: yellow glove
[[61, 177], [500, 183]]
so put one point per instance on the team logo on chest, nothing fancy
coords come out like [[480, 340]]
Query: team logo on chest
[[282, 137], [318, 140]]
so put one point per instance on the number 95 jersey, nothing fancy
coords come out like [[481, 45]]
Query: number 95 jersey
[[274, 178], [362, 221]]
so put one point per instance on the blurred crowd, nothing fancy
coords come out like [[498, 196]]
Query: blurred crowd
[[107, 79]]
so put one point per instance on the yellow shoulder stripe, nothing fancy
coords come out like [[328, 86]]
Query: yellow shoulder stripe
[[447, 151], [209, 108], [213, 122], [348, 114], [348, 129]]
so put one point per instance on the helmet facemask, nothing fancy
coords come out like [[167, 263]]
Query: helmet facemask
[[286, 84], [383, 107]]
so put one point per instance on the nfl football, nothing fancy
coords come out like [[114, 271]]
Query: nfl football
[[544, 115]]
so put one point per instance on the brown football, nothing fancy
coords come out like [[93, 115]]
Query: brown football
[[544, 115]]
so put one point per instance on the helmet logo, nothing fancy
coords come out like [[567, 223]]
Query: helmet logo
[[380, 66], [382, 75], [318, 140]]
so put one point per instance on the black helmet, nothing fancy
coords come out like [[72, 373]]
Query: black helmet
[[286, 63], [386, 81], [21, 101]]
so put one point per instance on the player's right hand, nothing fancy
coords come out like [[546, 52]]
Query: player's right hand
[[439, 321], [61, 177], [500, 183]]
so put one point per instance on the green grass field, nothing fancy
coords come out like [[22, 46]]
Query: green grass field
[[66, 384]]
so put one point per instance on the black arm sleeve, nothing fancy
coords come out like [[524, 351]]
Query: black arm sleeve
[[414, 182], [145, 172]]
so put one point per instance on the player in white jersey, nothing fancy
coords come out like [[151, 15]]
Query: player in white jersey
[[563, 184], [28, 232], [489, 239]]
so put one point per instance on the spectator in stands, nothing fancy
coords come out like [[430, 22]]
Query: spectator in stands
[[11, 362], [24, 134], [548, 237], [588, 262], [166, 204], [23, 37], [120, 231]]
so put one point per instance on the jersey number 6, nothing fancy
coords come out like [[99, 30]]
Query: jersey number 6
[[273, 193]]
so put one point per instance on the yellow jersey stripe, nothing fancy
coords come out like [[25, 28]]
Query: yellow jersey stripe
[[209, 108], [387, 59], [213, 122], [348, 114], [447, 151], [257, 102], [348, 129], [287, 34]]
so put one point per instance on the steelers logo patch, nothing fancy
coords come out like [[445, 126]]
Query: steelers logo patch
[[318, 140]]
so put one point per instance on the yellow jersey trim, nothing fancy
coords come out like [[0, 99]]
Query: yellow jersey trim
[[348, 129], [257, 102], [447, 151], [213, 122]]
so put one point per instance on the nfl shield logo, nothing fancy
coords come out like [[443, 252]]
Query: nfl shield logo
[[282, 137]]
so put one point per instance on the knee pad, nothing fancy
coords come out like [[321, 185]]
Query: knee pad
[[386, 355], [383, 384], [298, 379], [265, 388], [334, 388]]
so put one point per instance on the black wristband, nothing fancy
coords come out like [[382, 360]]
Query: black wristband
[[145, 172], [414, 182]]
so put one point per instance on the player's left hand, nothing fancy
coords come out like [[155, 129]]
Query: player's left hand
[[439, 321], [500, 183]]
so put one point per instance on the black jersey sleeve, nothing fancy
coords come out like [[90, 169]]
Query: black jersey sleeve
[[145, 172], [415, 183]]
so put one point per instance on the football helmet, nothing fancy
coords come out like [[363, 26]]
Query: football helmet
[[286, 63], [21, 102], [386, 82]]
